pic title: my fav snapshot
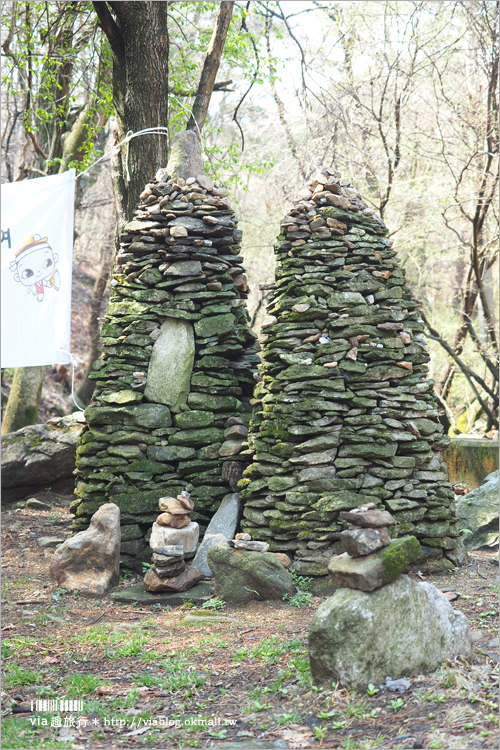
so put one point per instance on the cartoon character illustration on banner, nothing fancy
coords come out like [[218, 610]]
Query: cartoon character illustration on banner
[[35, 266]]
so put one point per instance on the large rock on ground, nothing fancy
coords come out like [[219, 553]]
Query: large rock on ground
[[40, 456], [405, 627], [478, 512], [221, 528], [89, 562], [241, 576], [373, 571]]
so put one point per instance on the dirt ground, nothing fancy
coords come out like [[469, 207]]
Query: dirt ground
[[146, 678]]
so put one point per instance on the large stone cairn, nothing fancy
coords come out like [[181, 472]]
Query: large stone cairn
[[175, 376], [343, 414]]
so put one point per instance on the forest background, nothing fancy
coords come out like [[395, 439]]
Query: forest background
[[401, 97]]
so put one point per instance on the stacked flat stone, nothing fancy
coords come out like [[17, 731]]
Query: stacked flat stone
[[175, 378], [175, 511], [245, 541], [343, 414], [371, 560]]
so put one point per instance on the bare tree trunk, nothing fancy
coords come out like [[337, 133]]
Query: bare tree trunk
[[211, 65], [24, 397]]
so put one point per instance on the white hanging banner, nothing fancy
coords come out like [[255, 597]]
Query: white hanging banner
[[37, 257]]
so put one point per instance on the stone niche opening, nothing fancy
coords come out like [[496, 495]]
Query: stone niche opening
[[344, 413], [178, 358]]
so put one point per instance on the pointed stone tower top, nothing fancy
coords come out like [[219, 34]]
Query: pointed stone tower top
[[185, 156]]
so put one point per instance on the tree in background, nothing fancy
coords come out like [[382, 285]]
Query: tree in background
[[55, 78], [159, 53], [402, 98]]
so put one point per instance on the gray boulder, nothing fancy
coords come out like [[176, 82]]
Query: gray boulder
[[478, 512], [405, 627], [40, 456], [219, 531], [241, 576], [89, 562]]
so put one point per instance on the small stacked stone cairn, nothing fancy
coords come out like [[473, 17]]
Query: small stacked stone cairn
[[175, 377], [244, 541], [343, 414], [371, 559], [173, 540], [379, 621]]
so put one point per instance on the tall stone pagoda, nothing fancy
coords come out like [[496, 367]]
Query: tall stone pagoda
[[344, 414], [175, 376]]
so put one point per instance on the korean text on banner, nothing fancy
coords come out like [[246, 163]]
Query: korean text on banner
[[37, 256]]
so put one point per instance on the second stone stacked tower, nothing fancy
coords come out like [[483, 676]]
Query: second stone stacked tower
[[344, 414]]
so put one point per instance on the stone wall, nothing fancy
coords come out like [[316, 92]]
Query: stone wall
[[175, 376], [344, 414]]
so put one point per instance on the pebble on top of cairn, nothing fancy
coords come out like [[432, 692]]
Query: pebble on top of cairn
[[173, 538], [175, 378], [343, 413], [371, 559]]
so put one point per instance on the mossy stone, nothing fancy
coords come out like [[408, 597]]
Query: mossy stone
[[126, 451], [141, 415], [188, 420], [368, 449], [215, 325], [121, 397], [241, 576], [206, 401], [281, 483], [373, 571], [170, 452], [404, 628], [171, 364], [202, 436]]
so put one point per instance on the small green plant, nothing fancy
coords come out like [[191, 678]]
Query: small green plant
[[349, 743], [465, 532], [300, 582], [298, 599], [255, 705], [397, 704], [146, 566], [371, 689], [293, 718], [338, 724], [214, 603], [320, 733]]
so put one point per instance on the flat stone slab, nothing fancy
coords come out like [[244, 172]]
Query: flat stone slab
[[199, 594], [368, 518], [202, 619], [221, 528], [50, 541]]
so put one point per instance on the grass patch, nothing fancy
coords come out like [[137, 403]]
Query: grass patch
[[16, 676], [80, 685], [17, 734]]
